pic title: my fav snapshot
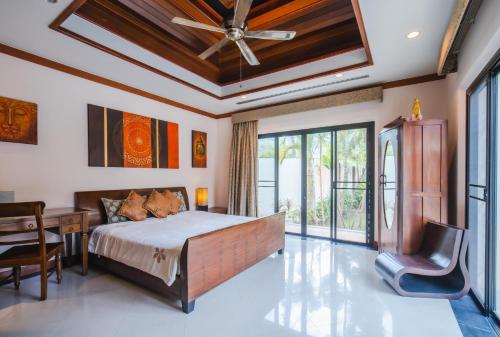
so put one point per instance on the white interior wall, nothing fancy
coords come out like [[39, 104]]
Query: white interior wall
[[58, 166], [396, 102]]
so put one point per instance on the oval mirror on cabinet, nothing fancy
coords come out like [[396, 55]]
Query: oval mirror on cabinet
[[389, 185]]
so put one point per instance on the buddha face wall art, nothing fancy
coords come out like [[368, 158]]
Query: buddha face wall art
[[18, 121]]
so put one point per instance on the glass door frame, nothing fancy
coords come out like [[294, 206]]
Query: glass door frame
[[370, 165], [488, 78]]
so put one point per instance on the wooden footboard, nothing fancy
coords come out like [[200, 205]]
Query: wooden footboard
[[209, 259]]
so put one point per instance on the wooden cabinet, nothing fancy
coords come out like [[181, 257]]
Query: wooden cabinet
[[413, 182]]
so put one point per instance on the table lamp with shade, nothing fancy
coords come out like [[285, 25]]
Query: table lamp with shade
[[202, 199]]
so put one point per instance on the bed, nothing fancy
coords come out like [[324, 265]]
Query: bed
[[181, 263]]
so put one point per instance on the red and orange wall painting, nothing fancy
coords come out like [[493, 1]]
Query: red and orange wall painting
[[124, 139]]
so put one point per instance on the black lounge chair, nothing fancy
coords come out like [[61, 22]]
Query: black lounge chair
[[438, 270]]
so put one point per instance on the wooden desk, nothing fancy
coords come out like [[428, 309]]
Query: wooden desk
[[65, 221]]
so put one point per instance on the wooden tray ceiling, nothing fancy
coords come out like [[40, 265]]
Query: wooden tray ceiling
[[324, 28]]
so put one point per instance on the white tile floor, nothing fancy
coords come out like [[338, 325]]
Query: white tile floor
[[315, 289]]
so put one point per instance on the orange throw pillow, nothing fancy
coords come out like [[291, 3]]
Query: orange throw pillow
[[175, 204], [158, 204], [132, 207]]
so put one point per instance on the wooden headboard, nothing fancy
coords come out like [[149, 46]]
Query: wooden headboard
[[91, 200]]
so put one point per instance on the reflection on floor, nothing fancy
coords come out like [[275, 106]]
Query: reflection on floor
[[470, 320], [316, 289], [323, 231]]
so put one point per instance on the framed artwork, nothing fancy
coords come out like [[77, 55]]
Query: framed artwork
[[18, 121], [123, 139], [199, 149]]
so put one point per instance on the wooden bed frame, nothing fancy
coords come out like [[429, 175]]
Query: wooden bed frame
[[207, 260]]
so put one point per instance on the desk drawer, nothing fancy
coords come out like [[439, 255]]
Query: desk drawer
[[71, 228], [31, 224], [71, 219]]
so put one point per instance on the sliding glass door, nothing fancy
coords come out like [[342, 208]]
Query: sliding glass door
[[351, 184], [483, 188], [322, 180], [477, 215], [319, 184], [496, 200], [289, 168]]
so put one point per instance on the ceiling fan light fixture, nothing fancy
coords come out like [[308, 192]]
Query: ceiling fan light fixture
[[235, 34]]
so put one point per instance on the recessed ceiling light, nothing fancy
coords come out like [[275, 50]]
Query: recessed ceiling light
[[339, 75], [243, 96], [413, 35]]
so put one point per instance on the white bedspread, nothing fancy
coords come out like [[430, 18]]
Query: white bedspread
[[154, 245]]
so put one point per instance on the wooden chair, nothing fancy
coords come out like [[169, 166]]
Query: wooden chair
[[28, 249], [438, 270]]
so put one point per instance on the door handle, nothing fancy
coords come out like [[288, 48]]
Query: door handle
[[381, 179]]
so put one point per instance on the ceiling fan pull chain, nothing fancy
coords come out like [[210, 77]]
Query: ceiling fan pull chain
[[241, 71]]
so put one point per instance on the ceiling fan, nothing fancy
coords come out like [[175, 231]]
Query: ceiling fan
[[235, 30]]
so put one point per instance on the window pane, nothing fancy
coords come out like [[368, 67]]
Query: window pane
[[267, 179], [351, 185], [477, 134], [266, 201], [351, 155], [477, 260], [351, 215], [319, 161], [290, 181], [266, 159], [477, 183]]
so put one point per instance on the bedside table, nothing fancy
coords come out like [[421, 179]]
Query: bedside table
[[220, 210]]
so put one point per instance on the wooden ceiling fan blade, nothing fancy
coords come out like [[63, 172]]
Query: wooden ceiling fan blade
[[207, 53], [195, 24], [247, 53], [282, 35], [241, 9]]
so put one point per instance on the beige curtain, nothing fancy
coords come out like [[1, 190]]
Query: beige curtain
[[243, 170]]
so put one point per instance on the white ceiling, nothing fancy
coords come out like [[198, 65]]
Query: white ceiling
[[24, 25]]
